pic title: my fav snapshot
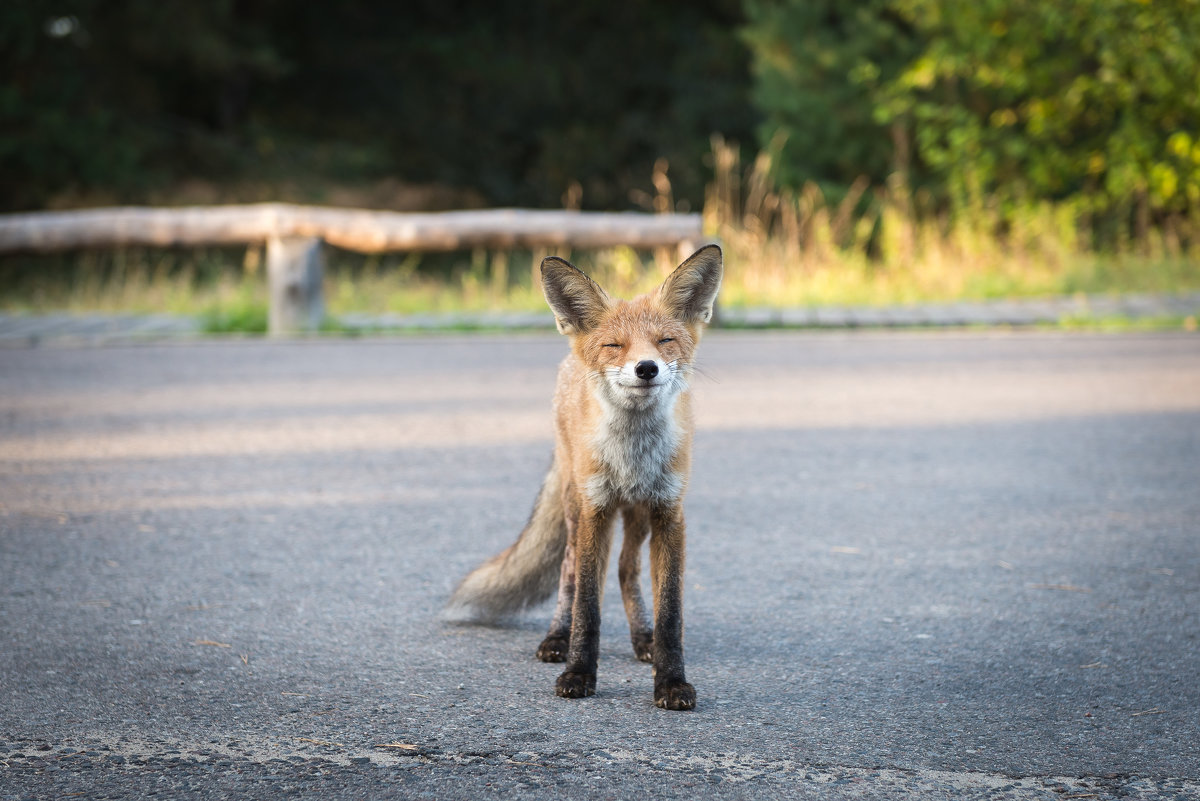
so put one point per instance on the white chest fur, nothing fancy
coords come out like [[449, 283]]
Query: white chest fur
[[635, 449]]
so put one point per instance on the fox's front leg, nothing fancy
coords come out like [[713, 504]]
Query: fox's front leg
[[592, 541], [667, 540]]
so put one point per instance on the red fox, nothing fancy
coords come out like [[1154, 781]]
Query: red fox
[[623, 424]]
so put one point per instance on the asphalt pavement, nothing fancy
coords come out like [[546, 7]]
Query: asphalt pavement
[[920, 565]]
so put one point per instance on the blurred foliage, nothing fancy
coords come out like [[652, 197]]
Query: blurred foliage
[[819, 67], [517, 100], [121, 95], [1094, 99], [990, 101], [983, 108]]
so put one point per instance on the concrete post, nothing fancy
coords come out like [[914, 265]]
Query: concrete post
[[295, 268]]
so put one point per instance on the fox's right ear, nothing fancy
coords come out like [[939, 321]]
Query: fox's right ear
[[577, 301]]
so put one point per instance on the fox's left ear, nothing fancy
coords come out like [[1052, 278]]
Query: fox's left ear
[[690, 291], [577, 301]]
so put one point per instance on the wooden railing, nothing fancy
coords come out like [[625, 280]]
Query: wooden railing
[[295, 236]]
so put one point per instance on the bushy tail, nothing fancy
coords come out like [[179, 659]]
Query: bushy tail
[[524, 573]]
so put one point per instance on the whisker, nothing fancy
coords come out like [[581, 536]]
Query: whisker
[[703, 373]]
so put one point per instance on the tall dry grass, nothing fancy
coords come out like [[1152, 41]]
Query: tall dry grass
[[875, 246], [884, 246]]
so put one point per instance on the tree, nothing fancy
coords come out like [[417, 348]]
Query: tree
[[819, 67], [517, 99], [1094, 102], [1091, 99], [122, 94]]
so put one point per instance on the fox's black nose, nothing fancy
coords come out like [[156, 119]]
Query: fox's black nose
[[646, 370]]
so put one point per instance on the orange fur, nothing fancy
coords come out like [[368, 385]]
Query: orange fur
[[623, 421]]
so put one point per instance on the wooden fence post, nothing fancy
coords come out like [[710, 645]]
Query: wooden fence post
[[294, 273]]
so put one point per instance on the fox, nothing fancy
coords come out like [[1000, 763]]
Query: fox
[[623, 444]]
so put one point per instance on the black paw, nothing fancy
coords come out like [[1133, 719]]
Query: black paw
[[553, 649], [675, 695], [575, 685], [643, 647]]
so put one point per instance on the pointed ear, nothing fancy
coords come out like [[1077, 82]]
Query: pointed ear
[[577, 301], [689, 292]]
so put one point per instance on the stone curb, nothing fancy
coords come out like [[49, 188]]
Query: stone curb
[[20, 329], [980, 313]]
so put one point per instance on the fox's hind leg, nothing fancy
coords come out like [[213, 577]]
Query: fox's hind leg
[[629, 571], [554, 647]]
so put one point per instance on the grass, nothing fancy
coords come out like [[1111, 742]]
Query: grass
[[783, 249], [885, 247], [245, 314], [1116, 325]]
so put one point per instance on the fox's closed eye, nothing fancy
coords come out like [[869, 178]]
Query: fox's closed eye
[[612, 344]]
